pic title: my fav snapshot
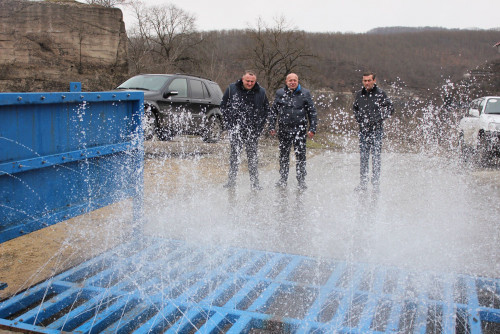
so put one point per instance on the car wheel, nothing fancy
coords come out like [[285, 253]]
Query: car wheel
[[164, 134], [483, 154], [149, 124], [149, 131], [148, 135], [213, 130], [462, 149]]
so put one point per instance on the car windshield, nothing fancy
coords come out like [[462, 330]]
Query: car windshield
[[145, 82], [492, 107]]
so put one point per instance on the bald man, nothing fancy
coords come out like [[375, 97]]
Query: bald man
[[294, 110]]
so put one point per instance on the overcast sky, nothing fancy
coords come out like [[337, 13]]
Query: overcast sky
[[340, 15]]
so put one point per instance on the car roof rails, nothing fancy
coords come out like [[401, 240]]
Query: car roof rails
[[194, 75]]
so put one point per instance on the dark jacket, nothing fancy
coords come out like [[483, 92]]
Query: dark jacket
[[244, 110], [293, 109], [371, 108]]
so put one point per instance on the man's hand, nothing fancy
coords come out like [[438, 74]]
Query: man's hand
[[310, 134], [272, 133]]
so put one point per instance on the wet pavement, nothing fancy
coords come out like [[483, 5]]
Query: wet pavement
[[431, 212]]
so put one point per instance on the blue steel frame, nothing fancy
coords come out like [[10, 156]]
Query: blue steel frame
[[65, 154], [168, 286]]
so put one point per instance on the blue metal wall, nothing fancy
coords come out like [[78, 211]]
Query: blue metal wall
[[64, 154]]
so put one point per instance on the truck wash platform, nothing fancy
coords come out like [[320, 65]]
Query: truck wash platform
[[169, 286], [68, 153]]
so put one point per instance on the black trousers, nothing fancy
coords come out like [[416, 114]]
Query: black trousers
[[297, 138], [237, 141], [370, 142]]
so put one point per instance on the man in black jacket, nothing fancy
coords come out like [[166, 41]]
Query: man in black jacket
[[297, 118], [244, 109], [371, 107]]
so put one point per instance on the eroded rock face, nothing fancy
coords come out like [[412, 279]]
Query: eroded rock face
[[45, 45]]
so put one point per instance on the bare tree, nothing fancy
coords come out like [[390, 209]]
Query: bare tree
[[139, 57], [277, 51], [212, 58], [167, 34], [108, 3]]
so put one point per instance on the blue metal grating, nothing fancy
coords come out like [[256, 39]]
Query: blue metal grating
[[166, 286]]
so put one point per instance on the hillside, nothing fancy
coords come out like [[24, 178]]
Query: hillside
[[400, 29], [416, 59], [420, 60]]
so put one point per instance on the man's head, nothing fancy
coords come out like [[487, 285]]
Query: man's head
[[369, 80], [292, 81], [249, 79]]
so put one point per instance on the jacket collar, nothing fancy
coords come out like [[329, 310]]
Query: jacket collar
[[365, 92], [296, 91]]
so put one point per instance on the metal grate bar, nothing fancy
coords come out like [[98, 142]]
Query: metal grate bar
[[107, 315], [449, 309], [270, 264], [49, 307], [241, 326], [290, 267], [422, 308], [240, 296], [188, 321], [169, 286], [23, 301], [473, 303], [82, 313], [324, 294], [164, 317], [373, 300], [397, 308], [217, 322], [347, 299]]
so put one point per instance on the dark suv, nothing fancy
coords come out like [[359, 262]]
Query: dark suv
[[178, 103]]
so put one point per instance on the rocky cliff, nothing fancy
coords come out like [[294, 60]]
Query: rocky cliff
[[45, 45]]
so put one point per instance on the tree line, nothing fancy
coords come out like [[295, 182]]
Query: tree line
[[165, 40]]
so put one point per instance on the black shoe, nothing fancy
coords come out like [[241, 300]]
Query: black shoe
[[256, 186], [361, 187], [229, 185], [281, 183], [302, 185]]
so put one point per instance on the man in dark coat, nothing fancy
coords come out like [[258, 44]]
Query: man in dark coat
[[371, 107], [244, 108], [297, 118]]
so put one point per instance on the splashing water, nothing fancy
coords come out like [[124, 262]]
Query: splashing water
[[431, 215]]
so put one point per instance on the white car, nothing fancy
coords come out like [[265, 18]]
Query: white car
[[480, 128]]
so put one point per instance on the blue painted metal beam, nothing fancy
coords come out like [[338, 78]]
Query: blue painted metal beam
[[63, 158]]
